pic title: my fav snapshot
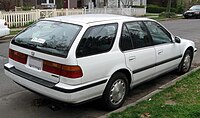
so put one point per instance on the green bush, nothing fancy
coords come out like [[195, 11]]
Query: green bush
[[29, 23], [155, 9], [158, 9], [26, 8], [167, 14], [138, 6], [180, 9]]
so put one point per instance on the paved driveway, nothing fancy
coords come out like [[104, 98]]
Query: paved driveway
[[17, 102]]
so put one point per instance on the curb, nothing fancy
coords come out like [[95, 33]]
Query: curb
[[159, 89], [6, 38]]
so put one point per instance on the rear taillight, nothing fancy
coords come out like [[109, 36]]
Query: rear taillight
[[62, 70], [17, 56], [71, 71], [52, 67]]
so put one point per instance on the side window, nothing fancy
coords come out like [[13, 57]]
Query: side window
[[96, 40], [125, 40], [138, 34], [158, 33]]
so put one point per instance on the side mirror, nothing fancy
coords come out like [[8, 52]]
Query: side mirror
[[177, 39]]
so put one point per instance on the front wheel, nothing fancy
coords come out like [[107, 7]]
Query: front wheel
[[186, 62], [115, 92]]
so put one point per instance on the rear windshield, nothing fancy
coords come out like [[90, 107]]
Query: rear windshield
[[49, 37]]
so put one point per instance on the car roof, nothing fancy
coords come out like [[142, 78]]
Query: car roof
[[92, 18], [195, 6]]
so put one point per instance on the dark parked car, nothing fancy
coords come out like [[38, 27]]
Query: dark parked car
[[193, 12]]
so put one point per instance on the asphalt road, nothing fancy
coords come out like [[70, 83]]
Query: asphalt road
[[18, 102]]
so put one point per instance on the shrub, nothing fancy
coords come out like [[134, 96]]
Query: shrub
[[155, 9], [158, 9], [179, 9], [138, 6], [167, 14], [26, 8]]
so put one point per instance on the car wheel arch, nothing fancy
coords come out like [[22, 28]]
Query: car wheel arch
[[191, 49], [126, 72]]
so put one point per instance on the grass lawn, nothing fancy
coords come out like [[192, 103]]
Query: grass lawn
[[179, 101], [14, 32]]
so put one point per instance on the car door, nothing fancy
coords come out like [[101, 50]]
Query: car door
[[139, 54], [168, 53]]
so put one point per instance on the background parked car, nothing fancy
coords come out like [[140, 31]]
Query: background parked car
[[4, 30], [193, 12]]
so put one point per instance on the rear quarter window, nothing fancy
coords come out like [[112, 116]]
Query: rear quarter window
[[97, 39]]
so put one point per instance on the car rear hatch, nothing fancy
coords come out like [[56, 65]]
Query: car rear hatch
[[42, 49]]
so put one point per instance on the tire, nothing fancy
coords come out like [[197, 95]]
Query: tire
[[186, 17], [185, 64], [115, 92]]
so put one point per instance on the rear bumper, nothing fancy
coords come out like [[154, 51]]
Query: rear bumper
[[58, 91]]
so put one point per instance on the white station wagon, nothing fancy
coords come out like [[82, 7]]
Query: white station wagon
[[82, 57]]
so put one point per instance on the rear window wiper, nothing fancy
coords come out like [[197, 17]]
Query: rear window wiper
[[32, 45]]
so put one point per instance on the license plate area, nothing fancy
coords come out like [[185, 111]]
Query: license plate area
[[35, 63]]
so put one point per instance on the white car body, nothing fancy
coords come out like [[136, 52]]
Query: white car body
[[139, 64], [4, 30]]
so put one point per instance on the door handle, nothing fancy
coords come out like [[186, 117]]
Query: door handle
[[160, 52], [131, 58]]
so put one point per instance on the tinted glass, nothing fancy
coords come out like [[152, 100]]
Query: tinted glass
[[125, 40], [197, 7], [50, 1], [158, 33], [97, 39], [42, 1], [49, 37], [138, 34]]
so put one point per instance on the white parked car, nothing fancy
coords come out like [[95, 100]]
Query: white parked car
[[81, 57], [4, 30]]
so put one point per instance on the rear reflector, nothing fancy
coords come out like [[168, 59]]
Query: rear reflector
[[17, 56], [62, 70]]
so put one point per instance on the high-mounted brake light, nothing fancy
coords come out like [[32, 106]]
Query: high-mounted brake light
[[17, 56], [63, 70]]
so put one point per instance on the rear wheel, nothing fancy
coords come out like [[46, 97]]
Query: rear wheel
[[115, 92], [186, 62]]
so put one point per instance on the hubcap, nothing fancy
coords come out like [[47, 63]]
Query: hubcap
[[186, 63], [117, 91]]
